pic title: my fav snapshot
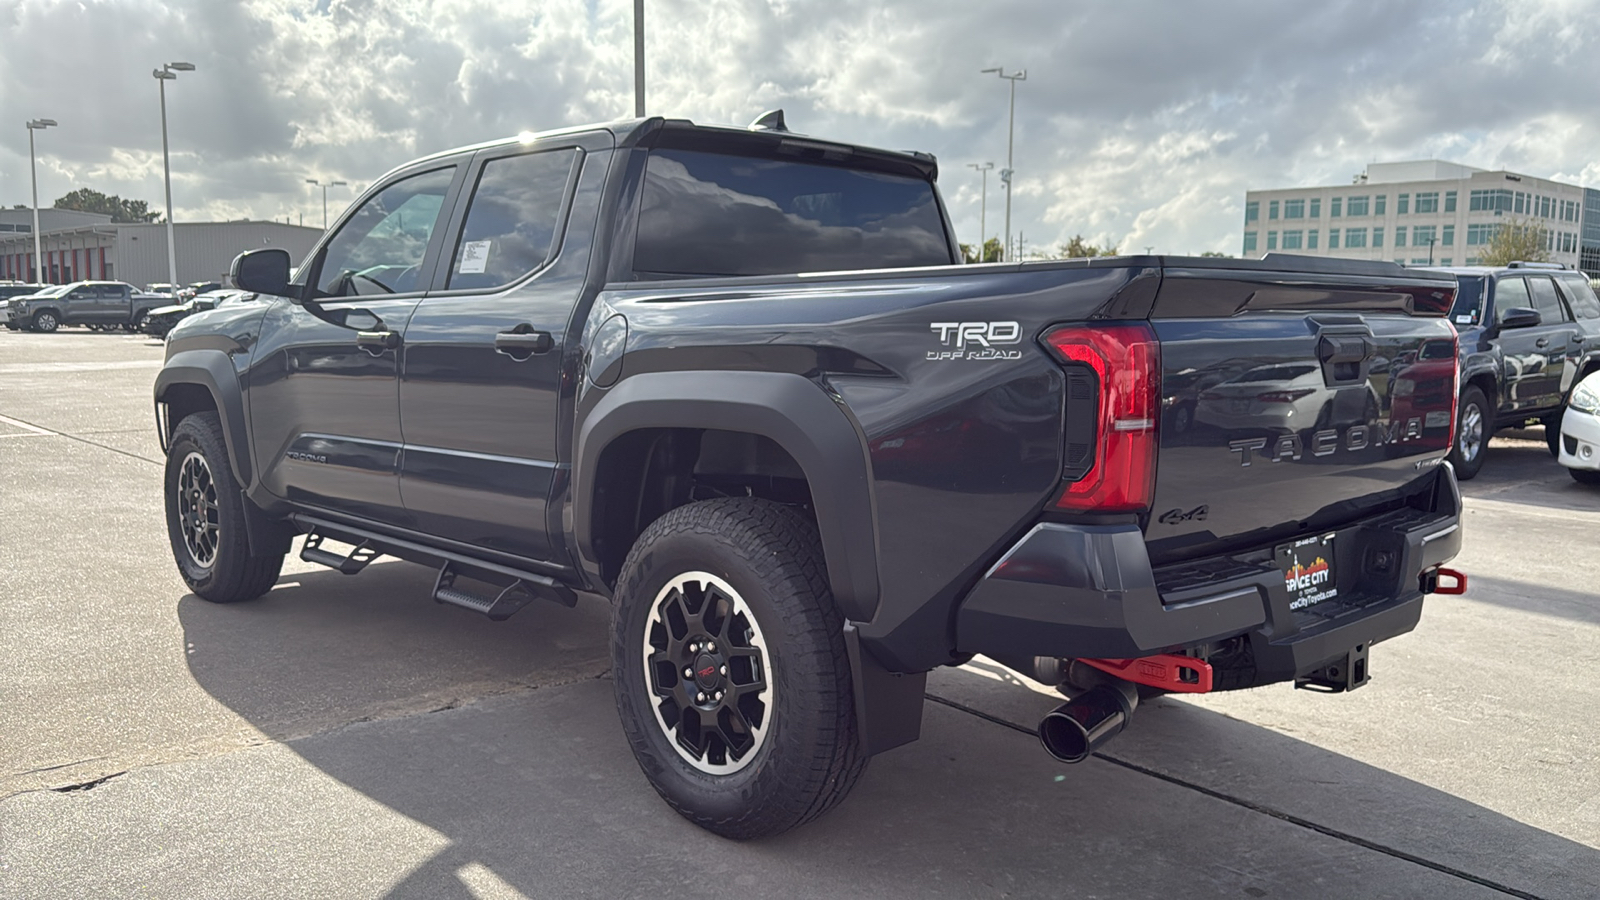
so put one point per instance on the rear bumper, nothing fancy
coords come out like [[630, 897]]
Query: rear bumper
[[1090, 591]]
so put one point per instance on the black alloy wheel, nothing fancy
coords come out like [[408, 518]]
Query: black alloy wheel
[[205, 517], [730, 670]]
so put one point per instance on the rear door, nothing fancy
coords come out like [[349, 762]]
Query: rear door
[[1318, 398], [1533, 356], [488, 368]]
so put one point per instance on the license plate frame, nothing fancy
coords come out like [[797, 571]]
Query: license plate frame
[[1308, 567]]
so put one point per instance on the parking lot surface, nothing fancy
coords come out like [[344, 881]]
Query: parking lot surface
[[347, 737]]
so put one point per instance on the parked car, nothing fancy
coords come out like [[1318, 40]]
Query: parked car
[[198, 288], [1529, 332], [738, 383], [101, 305], [160, 287], [163, 318], [15, 289], [1580, 432]]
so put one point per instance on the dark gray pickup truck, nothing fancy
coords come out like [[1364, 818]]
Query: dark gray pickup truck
[[100, 305], [735, 382]]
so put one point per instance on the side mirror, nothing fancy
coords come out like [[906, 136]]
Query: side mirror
[[1520, 317], [264, 271]]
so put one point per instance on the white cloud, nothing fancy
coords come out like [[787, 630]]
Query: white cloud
[[1140, 124]]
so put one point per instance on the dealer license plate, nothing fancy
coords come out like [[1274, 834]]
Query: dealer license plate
[[1307, 566]]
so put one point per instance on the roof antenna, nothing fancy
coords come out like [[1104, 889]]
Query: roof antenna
[[771, 120]]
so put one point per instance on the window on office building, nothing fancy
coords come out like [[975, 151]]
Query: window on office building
[[1333, 238], [1400, 236], [1402, 204], [1272, 240], [1249, 242], [1472, 261], [1316, 207], [1447, 236], [1446, 261], [1449, 201], [1422, 235], [1378, 204], [1311, 239], [1357, 206], [1294, 209], [1480, 233], [1333, 207], [1427, 202], [1252, 211], [1519, 203], [1272, 209], [1377, 237], [1420, 261], [1292, 240], [1546, 207], [1355, 238]]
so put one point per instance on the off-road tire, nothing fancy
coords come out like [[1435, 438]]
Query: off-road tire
[[1466, 461], [811, 755], [231, 574], [45, 321]]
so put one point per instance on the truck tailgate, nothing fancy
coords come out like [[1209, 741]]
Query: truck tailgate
[[1294, 402]]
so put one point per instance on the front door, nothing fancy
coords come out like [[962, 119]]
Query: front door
[[487, 363], [324, 386]]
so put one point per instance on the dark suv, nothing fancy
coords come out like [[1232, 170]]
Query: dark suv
[[1529, 332]]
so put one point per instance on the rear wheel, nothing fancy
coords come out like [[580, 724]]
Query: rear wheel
[[205, 517], [731, 675], [1472, 433]]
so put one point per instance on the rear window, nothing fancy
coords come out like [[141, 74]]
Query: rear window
[[1580, 296], [1469, 301], [711, 214]]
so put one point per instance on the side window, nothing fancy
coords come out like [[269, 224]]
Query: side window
[[379, 250], [1510, 293], [1580, 296], [511, 223], [1546, 302]]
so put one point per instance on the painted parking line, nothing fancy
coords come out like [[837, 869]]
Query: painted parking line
[[28, 429]]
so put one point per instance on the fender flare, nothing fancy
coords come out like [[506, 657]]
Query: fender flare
[[213, 370], [787, 408]]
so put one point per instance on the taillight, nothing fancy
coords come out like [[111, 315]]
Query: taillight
[[1455, 392], [1126, 361]]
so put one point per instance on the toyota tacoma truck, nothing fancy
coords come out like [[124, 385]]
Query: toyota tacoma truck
[[735, 382]]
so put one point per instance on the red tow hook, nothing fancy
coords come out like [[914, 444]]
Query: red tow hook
[[1168, 671], [1432, 585]]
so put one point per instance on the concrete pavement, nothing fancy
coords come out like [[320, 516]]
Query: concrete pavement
[[347, 737]]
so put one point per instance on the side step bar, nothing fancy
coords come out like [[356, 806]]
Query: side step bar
[[518, 587]]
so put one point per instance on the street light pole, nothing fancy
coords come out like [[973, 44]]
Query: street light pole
[[1431, 242], [638, 58], [324, 197], [33, 165], [166, 73], [983, 206], [1011, 134]]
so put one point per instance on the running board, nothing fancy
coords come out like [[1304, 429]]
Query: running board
[[349, 564], [518, 587]]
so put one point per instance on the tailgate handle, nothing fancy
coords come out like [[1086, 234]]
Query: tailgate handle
[[1344, 358], [1352, 348]]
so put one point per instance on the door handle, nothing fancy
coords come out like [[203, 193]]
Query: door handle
[[1542, 342], [522, 342], [377, 342]]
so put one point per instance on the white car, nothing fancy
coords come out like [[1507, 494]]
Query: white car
[[1580, 432]]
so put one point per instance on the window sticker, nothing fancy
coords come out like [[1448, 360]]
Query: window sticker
[[474, 257]]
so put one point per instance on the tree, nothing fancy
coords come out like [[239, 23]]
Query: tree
[[1217, 254], [1516, 239], [120, 210], [991, 251], [1077, 249]]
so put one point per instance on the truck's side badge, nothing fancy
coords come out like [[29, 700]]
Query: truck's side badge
[[976, 340]]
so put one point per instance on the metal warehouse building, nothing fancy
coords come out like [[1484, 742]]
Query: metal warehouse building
[[137, 253]]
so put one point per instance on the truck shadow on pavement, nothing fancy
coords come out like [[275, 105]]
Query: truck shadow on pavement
[[503, 739]]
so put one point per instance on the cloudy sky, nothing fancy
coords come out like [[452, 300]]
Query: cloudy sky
[[1140, 123]]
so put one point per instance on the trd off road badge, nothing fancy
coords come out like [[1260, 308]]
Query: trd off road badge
[[976, 340]]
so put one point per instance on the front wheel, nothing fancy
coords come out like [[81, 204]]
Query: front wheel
[[1472, 433], [46, 322], [731, 674], [1584, 476], [205, 517], [1552, 431]]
